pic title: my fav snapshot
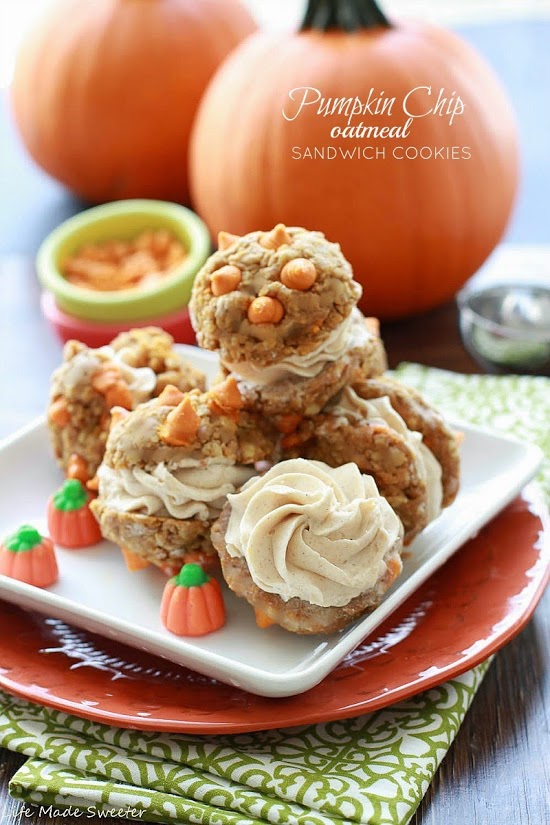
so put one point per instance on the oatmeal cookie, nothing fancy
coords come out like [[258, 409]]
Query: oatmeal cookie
[[154, 348], [291, 392], [339, 435], [418, 415], [89, 382], [169, 466], [310, 548], [281, 309]]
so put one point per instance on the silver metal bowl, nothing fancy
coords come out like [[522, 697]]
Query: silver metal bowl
[[506, 328]]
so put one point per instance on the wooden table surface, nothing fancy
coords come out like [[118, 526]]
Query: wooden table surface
[[497, 770]]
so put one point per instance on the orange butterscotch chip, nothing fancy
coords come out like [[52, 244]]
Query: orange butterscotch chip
[[226, 239], [182, 424], [93, 484], [299, 273], [288, 423], [125, 264], [170, 569], [133, 561], [265, 310], [394, 567], [118, 414], [225, 280], [373, 326], [77, 468], [110, 383], [106, 378], [262, 619], [170, 396], [225, 397], [293, 439], [58, 413], [276, 238], [119, 396]]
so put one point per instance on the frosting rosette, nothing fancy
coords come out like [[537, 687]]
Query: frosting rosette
[[313, 532]]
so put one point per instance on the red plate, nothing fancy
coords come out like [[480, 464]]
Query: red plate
[[467, 610]]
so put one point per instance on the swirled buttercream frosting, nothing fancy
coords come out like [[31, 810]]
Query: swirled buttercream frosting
[[196, 490], [311, 531]]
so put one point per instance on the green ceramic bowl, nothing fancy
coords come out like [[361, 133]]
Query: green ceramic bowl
[[123, 220]]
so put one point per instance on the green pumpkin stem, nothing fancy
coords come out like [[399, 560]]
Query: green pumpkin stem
[[345, 15], [26, 538], [71, 496], [191, 575]]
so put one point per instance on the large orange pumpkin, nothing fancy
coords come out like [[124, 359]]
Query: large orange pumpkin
[[415, 217], [105, 91]]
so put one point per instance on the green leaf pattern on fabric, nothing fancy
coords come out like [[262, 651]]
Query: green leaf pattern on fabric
[[371, 769]]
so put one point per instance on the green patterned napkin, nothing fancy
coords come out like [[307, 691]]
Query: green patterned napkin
[[373, 769]]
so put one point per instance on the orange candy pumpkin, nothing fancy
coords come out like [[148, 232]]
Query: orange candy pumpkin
[[105, 92], [192, 603], [29, 557], [71, 523], [413, 226]]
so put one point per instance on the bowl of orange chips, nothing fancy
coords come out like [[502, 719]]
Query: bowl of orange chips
[[124, 262]]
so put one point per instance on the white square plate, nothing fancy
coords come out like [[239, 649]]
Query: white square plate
[[95, 590]]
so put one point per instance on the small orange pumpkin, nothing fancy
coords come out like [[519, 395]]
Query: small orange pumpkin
[[105, 92], [192, 603], [71, 523], [414, 216], [29, 557]]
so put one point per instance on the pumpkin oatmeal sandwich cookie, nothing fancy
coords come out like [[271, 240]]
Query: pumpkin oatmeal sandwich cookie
[[280, 307], [169, 466], [310, 547], [393, 436], [134, 368]]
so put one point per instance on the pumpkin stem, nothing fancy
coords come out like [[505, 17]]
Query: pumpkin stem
[[71, 496], [192, 575], [348, 15], [23, 539]]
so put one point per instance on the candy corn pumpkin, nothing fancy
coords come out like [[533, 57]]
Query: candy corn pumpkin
[[192, 603], [70, 520], [29, 557]]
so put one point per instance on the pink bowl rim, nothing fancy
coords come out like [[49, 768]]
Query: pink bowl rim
[[57, 316]]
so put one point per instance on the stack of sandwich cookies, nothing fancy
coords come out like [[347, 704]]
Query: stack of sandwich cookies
[[132, 369], [303, 471], [169, 466], [281, 309]]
